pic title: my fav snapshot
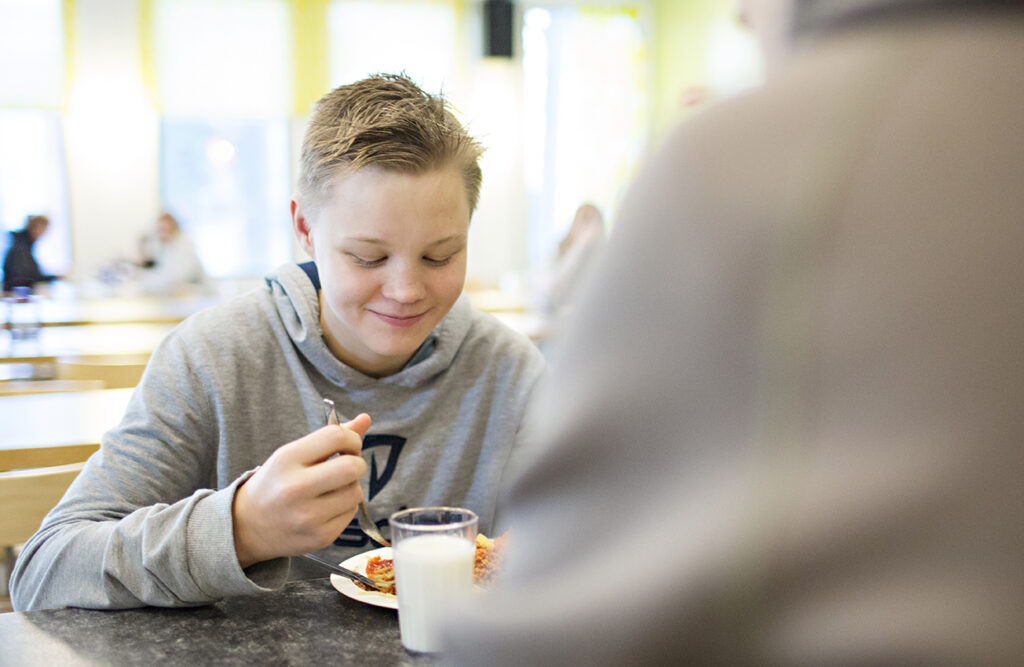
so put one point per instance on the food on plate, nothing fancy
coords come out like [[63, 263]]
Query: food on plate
[[489, 553], [488, 558], [382, 571]]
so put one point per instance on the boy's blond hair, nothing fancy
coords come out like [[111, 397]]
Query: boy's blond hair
[[387, 121]]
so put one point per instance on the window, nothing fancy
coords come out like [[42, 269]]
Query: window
[[31, 53], [223, 78], [33, 176], [585, 90], [226, 181], [227, 57], [32, 181]]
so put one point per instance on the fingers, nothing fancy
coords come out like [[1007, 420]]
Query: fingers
[[361, 424], [325, 442], [338, 504], [333, 474]]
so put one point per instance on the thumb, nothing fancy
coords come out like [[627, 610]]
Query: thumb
[[361, 424]]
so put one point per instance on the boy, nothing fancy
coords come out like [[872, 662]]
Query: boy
[[222, 466]]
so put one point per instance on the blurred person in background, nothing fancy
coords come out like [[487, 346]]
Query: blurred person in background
[[20, 266], [572, 260], [785, 427], [168, 259]]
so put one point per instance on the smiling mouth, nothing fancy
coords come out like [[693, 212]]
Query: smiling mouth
[[399, 320]]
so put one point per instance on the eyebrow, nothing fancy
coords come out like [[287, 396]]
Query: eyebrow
[[376, 241]]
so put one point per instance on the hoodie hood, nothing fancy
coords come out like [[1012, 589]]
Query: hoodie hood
[[296, 299]]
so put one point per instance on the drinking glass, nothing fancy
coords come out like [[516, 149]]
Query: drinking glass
[[434, 552]]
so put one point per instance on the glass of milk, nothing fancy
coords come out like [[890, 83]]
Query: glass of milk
[[434, 550]]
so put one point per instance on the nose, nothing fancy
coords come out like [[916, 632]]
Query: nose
[[404, 284]]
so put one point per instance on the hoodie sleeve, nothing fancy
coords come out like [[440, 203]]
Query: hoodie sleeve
[[139, 526]]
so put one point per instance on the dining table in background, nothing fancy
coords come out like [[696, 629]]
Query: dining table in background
[[60, 419], [304, 623], [48, 343], [137, 311], [533, 325], [119, 310]]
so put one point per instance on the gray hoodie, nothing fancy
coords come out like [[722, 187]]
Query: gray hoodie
[[149, 519]]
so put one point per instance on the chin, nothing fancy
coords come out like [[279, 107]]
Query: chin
[[404, 347]]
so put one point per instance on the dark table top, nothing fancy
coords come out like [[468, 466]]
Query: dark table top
[[305, 623]]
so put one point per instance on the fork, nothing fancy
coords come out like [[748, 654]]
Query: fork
[[366, 524]]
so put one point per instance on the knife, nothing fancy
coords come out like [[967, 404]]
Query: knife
[[343, 571]]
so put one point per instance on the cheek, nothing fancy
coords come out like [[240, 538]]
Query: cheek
[[450, 284], [346, 286]]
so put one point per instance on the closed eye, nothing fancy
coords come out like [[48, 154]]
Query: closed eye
[[367, 261], [438, 261]]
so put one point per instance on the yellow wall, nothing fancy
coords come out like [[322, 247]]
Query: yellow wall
[[309, 52], [682, 32]]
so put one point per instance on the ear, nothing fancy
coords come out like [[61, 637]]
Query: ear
[[302, 228]]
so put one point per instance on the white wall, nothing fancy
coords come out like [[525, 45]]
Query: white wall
[[497, 236]]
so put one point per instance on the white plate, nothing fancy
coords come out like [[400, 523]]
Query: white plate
[[348, 588]]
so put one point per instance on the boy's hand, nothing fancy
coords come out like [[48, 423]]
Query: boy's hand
[[300, 499]]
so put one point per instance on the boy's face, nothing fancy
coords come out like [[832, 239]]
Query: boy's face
[[391, 252]]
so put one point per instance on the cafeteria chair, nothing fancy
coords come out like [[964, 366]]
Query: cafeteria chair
[[116, 371], [32, 482]]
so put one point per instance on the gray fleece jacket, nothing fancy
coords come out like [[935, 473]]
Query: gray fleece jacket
[[148, 522]]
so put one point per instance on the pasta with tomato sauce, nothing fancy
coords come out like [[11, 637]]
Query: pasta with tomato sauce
[[487, 562]]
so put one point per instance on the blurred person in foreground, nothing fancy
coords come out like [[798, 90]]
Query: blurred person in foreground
[[20, 266], [786, 426], [169, 260], [222, 467]]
